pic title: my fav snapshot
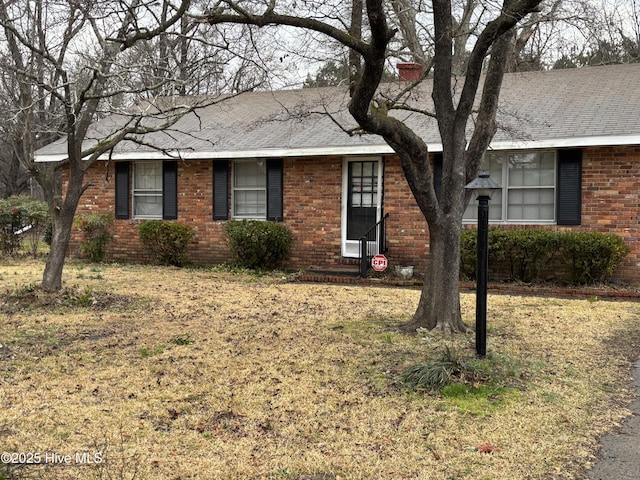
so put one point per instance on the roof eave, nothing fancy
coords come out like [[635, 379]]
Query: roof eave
[[379, 149]]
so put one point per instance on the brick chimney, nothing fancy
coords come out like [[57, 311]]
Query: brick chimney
[[409, 71]]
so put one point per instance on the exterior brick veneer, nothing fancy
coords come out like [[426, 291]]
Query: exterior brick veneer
[[312, 209]]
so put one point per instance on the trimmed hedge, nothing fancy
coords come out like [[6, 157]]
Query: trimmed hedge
[[592, 256], [166, 241], [258, 244], [530, 255]]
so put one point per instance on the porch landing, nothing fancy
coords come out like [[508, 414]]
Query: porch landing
[[350, 274]]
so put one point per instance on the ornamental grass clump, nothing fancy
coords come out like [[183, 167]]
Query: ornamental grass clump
[[259, 245], [434, 375]]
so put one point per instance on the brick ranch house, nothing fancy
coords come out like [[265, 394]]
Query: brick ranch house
[[567, 155]]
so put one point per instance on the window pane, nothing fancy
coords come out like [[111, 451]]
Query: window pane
[[147, 189], [493, 165], [533, 174], [147, 176], [531, 204], [250, 203], [250, 175], [148, 206], [367, 184], [532, 169], [249, 189], [368, 200]]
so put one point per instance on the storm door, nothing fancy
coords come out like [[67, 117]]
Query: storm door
[[361, 201]]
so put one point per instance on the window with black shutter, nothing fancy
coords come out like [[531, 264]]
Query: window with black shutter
[[538, 187], [274, 190], [122, 190], [151, 187], [169, 190], [569, 193], [256, 189], [220, 190]]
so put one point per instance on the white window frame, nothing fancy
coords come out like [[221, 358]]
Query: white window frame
[[234, 170], [142, 192], [506, 188]]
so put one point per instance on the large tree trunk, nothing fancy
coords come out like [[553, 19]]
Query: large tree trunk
[[61, 235], [62, 215], [439, 306]]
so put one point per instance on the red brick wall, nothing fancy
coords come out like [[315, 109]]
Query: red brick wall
[[312, 209], [610, 200], [407, 231], [312, 205], [195, 209]]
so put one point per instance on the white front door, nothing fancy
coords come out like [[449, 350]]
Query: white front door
[[361, 201]]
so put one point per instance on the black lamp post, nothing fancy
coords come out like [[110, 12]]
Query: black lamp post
[[484, 186]]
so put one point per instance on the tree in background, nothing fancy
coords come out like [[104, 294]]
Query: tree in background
[[68, 64]]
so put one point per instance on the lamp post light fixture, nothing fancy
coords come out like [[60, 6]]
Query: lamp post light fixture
[[484, 187]]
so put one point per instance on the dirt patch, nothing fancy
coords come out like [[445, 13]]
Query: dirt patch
[[31, 299]]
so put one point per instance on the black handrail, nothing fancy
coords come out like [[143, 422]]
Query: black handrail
[[372, 243]]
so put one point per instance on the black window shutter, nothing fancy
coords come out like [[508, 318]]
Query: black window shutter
[[569, 188], [437, 174], [170, 190], [274, 190], [122, 189], [220, 189]]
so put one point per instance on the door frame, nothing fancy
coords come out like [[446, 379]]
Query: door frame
[[351, 248]]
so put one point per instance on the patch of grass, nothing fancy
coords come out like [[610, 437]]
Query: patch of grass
[[184, 339], [150, 352], [477, 400], [75, 297]]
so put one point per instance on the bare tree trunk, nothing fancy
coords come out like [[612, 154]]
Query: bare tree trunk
[[439, 305], [61, 235], [62, 214]]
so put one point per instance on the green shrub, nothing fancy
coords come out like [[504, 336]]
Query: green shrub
[[257, 244], [19, 212], [469, 251], [95, 228], [592, 256], [469, 254], [527, 254], [525, 251], [166, 241]]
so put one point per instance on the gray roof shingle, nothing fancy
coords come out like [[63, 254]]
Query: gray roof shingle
[[574, 107]]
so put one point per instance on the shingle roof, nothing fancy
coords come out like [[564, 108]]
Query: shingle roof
[[557, 108]]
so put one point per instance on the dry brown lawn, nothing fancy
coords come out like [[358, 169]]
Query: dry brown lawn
[[164, 373]]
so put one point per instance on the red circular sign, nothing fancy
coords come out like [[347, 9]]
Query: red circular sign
[[379, 263]]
